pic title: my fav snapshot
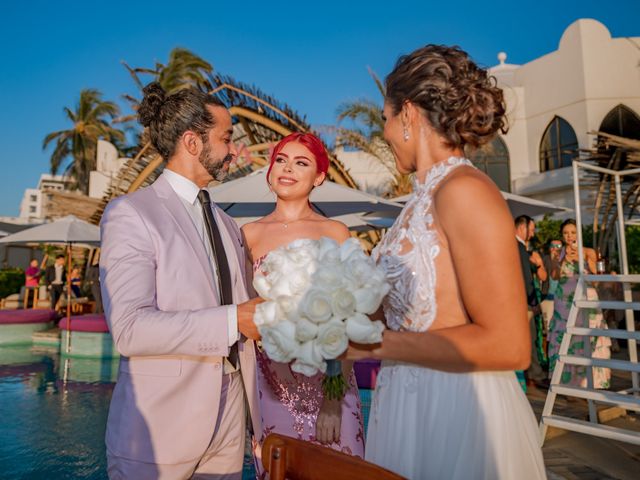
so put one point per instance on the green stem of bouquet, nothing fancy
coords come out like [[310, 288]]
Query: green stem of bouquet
[[334, 385]]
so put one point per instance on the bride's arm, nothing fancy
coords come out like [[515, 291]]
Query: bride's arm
[[481, 238]]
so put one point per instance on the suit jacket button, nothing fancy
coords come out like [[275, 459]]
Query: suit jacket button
[[217, 366]]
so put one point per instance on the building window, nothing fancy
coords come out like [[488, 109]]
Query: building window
[[623, 122], [559, 145], [32, 209], [493, 159], [34, 198]]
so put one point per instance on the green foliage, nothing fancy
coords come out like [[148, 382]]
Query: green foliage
[[633, 248], [10, 281], [548, 229], [75, 148]]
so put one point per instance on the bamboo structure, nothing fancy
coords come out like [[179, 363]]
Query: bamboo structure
[[259, 121], [613, 153]]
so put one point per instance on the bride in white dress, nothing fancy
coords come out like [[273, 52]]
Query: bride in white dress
[[447, 403]]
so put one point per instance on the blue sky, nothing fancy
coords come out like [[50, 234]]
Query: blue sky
[[311, 55]]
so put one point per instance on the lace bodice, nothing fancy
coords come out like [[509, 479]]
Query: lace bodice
[[407, 254]]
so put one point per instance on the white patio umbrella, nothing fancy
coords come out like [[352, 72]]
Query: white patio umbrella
[[518, 204], [250, 196], [68, 231]]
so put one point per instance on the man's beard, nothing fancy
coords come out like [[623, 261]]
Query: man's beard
[[214, 168]]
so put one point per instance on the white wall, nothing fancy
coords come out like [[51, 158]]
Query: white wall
[[582, 81]]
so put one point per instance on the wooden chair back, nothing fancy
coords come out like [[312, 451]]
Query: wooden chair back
[[292, 459]]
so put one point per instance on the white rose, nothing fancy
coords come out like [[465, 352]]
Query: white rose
[[316, 305], [308, 360], [368, 300], [332, 339], [280, 286], [351, 248], [279, 342], [302, 252], [360, 272], [262, 286], [275, 261], [343, 303], [305, 330], [299, 281], [305, 369], [266, 314], [328, 251], [361, 329], [287, 305], [329, 277]]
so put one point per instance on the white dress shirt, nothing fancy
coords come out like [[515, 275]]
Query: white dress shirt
[[188, 191]]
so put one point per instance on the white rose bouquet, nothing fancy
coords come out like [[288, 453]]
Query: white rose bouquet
[[317, 297]]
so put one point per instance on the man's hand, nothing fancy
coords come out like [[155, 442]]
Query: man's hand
[[245, 318], [329, 421], [536, 259]]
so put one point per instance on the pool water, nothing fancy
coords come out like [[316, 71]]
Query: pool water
[[49, 429], [54, 429]]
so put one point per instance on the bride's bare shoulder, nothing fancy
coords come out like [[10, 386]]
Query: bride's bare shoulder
[[468, 196], [333, 229]]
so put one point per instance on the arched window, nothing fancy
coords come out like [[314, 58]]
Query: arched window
[[623, 122], [493, 159], [559, 145]]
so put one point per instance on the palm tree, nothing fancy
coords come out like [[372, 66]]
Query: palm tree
[[366, 135], [184, 69], [77, 145]]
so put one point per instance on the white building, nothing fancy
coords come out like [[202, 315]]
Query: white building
[[34, 201], [108, 164], [590, 83]]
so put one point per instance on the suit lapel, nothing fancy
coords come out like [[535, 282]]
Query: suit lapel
[[181, 217]]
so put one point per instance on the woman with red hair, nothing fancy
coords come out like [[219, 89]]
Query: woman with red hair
[[293, 404]]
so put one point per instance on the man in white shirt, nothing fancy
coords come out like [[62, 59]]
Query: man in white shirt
[[176, 296], [55, 276]]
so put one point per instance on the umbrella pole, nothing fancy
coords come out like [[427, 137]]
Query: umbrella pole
[[68, 343]]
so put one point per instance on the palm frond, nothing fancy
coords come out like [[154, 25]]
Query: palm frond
[[377, 81]]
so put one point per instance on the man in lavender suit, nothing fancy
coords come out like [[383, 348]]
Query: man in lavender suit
[[175, 296]]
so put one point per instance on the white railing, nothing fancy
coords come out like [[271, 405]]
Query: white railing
[[628, 399]]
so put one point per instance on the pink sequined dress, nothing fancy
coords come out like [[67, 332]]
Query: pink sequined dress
[[289, 405]]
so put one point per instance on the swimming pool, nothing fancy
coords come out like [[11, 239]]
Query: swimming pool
[[49, 429], [52, 429]]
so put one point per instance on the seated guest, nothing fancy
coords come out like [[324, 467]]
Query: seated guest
[[76, 282]]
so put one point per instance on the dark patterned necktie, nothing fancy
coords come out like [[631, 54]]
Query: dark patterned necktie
[[222, 264]]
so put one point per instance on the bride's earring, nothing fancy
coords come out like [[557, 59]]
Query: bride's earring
[[405, 134]]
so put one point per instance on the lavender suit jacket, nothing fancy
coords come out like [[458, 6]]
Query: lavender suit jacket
[[163, 312]]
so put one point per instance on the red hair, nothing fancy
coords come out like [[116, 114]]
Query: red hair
[[311, 142]]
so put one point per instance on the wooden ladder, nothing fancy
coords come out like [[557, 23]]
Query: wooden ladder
[[628, 399]]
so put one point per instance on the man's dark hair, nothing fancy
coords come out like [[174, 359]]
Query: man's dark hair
[[523, 220], [169, 116], [59, 256]]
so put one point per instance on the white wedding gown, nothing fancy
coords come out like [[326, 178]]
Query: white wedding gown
[[427, 424]]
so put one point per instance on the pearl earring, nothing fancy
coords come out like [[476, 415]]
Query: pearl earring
[[406, 134]]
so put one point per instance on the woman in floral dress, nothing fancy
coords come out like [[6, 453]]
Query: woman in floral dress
[[566, 273]]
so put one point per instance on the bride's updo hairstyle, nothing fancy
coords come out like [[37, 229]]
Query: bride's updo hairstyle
[[459, 99], [313, 144]]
